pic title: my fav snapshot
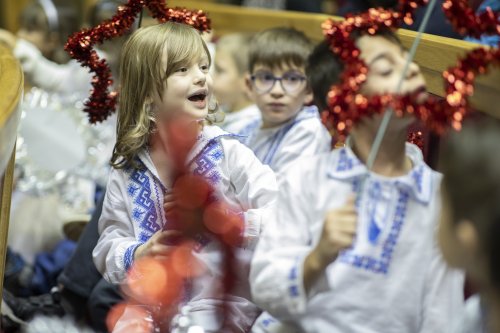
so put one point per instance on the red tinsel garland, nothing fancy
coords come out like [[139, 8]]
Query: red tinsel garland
[[80, 46], [347, 105], [459, 80], [466, 22]]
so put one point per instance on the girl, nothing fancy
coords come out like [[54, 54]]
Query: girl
[[164, 74]]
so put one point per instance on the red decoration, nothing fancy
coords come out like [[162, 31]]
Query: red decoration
[[347, 105], [459, 80], [466, 22], [80, 46], [417, 138]]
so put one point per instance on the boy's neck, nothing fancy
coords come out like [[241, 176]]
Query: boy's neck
[[391, 159]]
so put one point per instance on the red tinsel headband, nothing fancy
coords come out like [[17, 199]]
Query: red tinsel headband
[[347, 105], [80, 46]]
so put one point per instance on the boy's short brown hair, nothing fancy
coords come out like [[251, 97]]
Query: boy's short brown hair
[[236, 45], [279, 46]]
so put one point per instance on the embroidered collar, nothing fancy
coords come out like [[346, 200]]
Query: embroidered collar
[[207, 135], [344, 165], [248, 132]]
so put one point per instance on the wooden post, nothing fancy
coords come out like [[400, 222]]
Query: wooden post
[[6, 186]]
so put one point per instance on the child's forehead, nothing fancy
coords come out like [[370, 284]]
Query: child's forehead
[[188, 60], [280, 68]]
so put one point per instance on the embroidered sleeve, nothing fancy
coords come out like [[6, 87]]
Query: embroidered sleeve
[[113, 253], [255, 189], [47, 74], [276, 276]]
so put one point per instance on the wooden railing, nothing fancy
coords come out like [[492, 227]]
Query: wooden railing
[[11, 90], [435, 54]]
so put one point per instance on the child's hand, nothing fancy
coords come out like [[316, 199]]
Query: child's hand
[[169, 205], [187, 220], [159, 245], [338, 232]]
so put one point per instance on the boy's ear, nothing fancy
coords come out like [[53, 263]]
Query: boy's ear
[[308, 100], [248, 82], [468, 236]]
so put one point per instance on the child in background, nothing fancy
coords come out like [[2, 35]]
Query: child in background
[[164, 74], [45, 29], [287, 128], [470, 222], [230, 71], [329, 263]]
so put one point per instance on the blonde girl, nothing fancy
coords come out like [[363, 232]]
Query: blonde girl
[[164, 73]]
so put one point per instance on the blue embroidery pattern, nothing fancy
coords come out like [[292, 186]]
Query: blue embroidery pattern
[[144, 210], [268, 321], [346, 163], [417, 176], [268, 149], [128, 257], [381, 264], [147, 198], [206, 162], [293, 277]]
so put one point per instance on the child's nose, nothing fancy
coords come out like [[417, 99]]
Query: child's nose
[[277, 89], [200, 78], [413, 70]]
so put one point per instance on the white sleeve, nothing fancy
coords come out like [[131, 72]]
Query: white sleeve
[[49, 75], [114, 251], [444, 298], [276, 277], [308, 138], [255, 188]]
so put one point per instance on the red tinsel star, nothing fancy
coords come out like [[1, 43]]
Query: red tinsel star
[[80, 46], [347, 105]]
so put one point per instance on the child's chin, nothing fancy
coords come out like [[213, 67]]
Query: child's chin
[[197, 113]]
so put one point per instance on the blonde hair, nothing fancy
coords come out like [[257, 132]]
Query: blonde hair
[[142, 73], [236, 45]]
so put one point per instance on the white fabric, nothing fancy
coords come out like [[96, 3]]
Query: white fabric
[[393, 280], [235, 121], [133, 212], [472, 320], [48, 75], [280, 147]]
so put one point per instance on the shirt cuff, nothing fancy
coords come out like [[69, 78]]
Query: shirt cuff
[[296, 294], [128, 256], [251, 233]]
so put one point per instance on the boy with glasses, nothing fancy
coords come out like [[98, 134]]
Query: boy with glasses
[[287, 129]]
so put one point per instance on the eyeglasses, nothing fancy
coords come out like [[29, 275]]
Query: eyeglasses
[[265, 81]]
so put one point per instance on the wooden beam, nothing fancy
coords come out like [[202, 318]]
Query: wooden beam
[[11, 91], [6, 186]]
